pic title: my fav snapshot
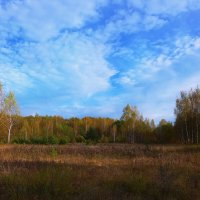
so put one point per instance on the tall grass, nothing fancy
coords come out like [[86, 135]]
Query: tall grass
[[99, 172]]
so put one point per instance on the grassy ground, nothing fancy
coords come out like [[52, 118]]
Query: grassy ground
[[99, 172]]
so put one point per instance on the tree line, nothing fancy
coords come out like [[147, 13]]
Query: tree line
[[187, 113], [132, 127]]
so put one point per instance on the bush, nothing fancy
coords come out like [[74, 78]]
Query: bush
[[20, 141], [64, 140], [44, 140], [105, 139], [80, 139], [92, 135], [38, 140], [52, 140], [54, 153]]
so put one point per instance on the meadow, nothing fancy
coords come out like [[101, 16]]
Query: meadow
[[102, 171]]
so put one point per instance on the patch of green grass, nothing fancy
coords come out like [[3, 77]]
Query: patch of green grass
[[54, 153]]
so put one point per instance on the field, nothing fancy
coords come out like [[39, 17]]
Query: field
[[114, 171]]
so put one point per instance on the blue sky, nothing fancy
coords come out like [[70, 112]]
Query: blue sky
[[78, 58]]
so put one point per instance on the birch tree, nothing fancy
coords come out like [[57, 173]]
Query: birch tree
[[130, 116], [187, 113], [11, 110]]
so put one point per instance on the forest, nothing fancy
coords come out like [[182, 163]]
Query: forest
[[132, 127]]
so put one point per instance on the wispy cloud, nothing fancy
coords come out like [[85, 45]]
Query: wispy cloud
[[149, 66], [94, 56], [165, 7], [42, 20]]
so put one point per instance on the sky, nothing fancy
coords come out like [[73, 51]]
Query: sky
[[91, 58]]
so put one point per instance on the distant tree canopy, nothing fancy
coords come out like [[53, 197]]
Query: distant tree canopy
[[130, 128]]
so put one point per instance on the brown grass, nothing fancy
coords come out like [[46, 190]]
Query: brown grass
[[114, 171]]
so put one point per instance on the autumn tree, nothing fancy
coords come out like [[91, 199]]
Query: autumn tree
[[11, 112], [129, 117], [187, 113]]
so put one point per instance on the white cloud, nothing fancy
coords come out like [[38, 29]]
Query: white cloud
[[128, 22], [61, 67], [148, 67], [42, 20], [14, 79], [149, 15], [186, 45], [159, 101], [165, 7], [145, 70], [151, 22], [163, 77], [74, 62], [136, 3]]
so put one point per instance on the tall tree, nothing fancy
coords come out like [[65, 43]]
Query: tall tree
[[130, 116], [187, 113], [11, 112]]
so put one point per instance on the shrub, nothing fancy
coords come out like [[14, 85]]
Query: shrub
[[105, 139], [54, 153], [64, 140], [92, 135], [52, 140], [44, 140], [21, 141], [38, 140], [80, 139]]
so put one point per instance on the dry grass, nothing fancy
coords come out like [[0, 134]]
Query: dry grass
[[99, 172]]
